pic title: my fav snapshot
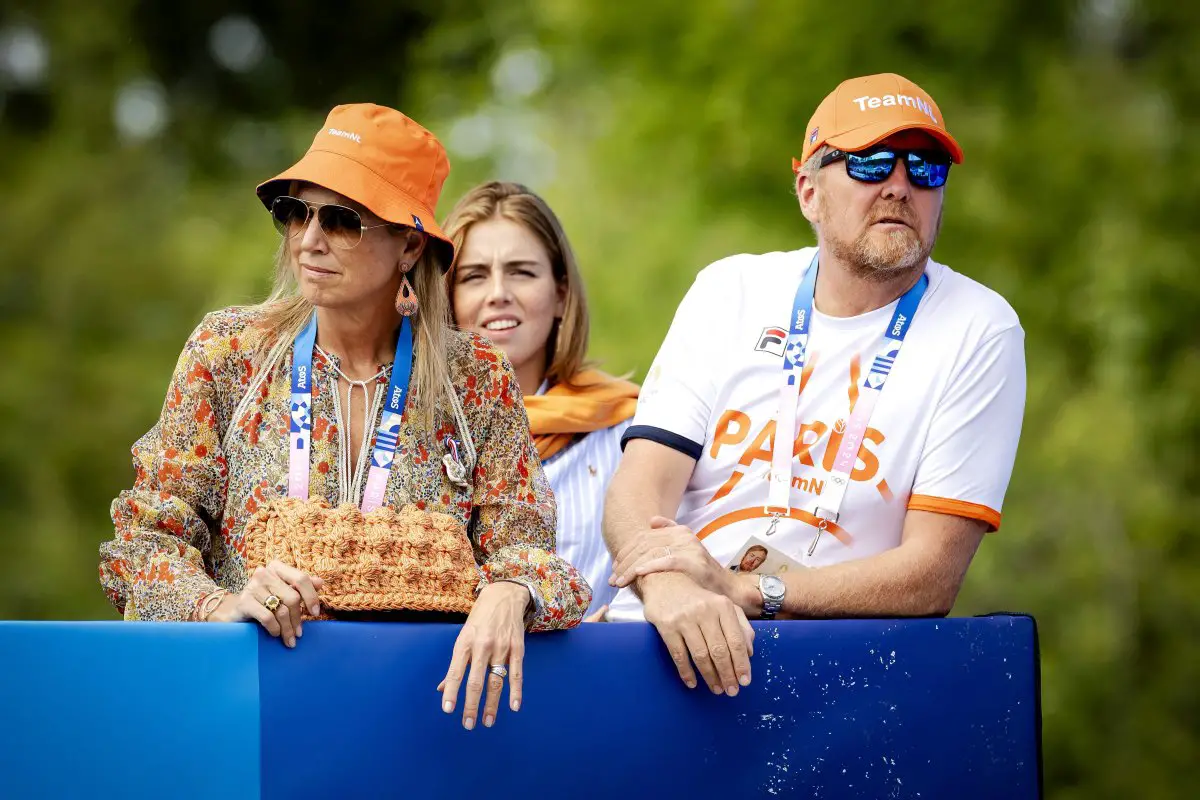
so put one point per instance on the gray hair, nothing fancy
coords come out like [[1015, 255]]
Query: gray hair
[[810, 169]]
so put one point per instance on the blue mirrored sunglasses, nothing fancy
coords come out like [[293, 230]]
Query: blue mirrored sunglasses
[[927, 169]]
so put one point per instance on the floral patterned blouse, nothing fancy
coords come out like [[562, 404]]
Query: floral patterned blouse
[[179, 530]]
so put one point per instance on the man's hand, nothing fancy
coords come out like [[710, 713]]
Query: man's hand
[[670, 547], [698, 625], [707, 626]]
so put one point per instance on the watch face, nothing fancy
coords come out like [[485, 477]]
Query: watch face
[[772, 586]]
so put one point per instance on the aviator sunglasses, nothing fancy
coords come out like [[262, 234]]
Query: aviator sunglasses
[[927, 169], [342, 226]]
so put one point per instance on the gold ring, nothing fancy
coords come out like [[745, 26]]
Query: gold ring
[[272, 603]]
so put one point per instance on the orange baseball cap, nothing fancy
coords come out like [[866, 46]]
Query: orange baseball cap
[[380, 158], [863, 111]]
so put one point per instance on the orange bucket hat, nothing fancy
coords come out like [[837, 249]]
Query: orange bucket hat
[[380, 158], [861, 112]]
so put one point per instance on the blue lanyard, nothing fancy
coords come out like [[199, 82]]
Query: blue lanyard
[[795, 355], [794, 358], [386, 436]]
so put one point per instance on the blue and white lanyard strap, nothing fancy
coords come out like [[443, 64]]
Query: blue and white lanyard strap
[[795, 355], [386, 436]]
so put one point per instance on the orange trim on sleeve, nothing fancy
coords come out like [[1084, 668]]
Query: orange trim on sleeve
[[956, 508]]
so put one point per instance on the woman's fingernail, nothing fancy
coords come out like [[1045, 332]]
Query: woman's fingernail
[[290, 642], [731, 690], [447, 706], [744, 680], [515, 705], [488, 719], [299, 631], [315, 609], [469, 723], [690, 684]]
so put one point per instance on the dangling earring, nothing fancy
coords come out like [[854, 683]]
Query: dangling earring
[[406, 298]]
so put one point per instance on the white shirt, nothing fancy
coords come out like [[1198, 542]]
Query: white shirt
[[579, 477], [943, 436]]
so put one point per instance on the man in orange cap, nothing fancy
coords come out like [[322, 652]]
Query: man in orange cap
[[856, 405]]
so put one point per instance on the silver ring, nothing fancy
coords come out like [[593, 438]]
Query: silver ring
[[499, 670]]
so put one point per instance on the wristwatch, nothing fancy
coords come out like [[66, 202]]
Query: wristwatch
[[773, 590]]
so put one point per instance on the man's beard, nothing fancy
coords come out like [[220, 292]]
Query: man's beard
[[881, 258]]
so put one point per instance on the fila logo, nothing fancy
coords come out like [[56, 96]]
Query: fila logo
[[899, 326], [866, 102], [772, 340], [354, 137]]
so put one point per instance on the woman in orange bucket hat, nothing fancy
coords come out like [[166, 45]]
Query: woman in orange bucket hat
[[339, 449]]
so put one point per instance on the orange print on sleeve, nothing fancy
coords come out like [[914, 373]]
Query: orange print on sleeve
[[723, 435], [956, 508]]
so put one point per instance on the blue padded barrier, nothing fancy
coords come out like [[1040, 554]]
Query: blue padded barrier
[[855, 709], [128, 710]]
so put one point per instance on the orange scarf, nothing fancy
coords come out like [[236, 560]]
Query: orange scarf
[[596, 401]]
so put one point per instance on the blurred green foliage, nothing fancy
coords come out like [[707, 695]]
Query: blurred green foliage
[[132, 134]]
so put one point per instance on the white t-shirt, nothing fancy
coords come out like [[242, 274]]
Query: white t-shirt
[[942, 438]]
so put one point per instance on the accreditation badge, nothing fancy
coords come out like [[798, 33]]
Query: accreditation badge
[[759, 558]]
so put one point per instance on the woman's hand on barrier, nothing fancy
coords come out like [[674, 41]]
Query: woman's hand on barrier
[[289, 585], [492, 641], [700, 627], [669, 547]]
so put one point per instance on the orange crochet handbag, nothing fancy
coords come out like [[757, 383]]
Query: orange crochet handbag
[[385, 560]]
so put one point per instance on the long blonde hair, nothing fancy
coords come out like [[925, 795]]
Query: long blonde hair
[[567, 355], [285, 312]]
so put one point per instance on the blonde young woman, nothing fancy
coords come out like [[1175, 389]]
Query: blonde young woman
[[516, 282], [346, 388]]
